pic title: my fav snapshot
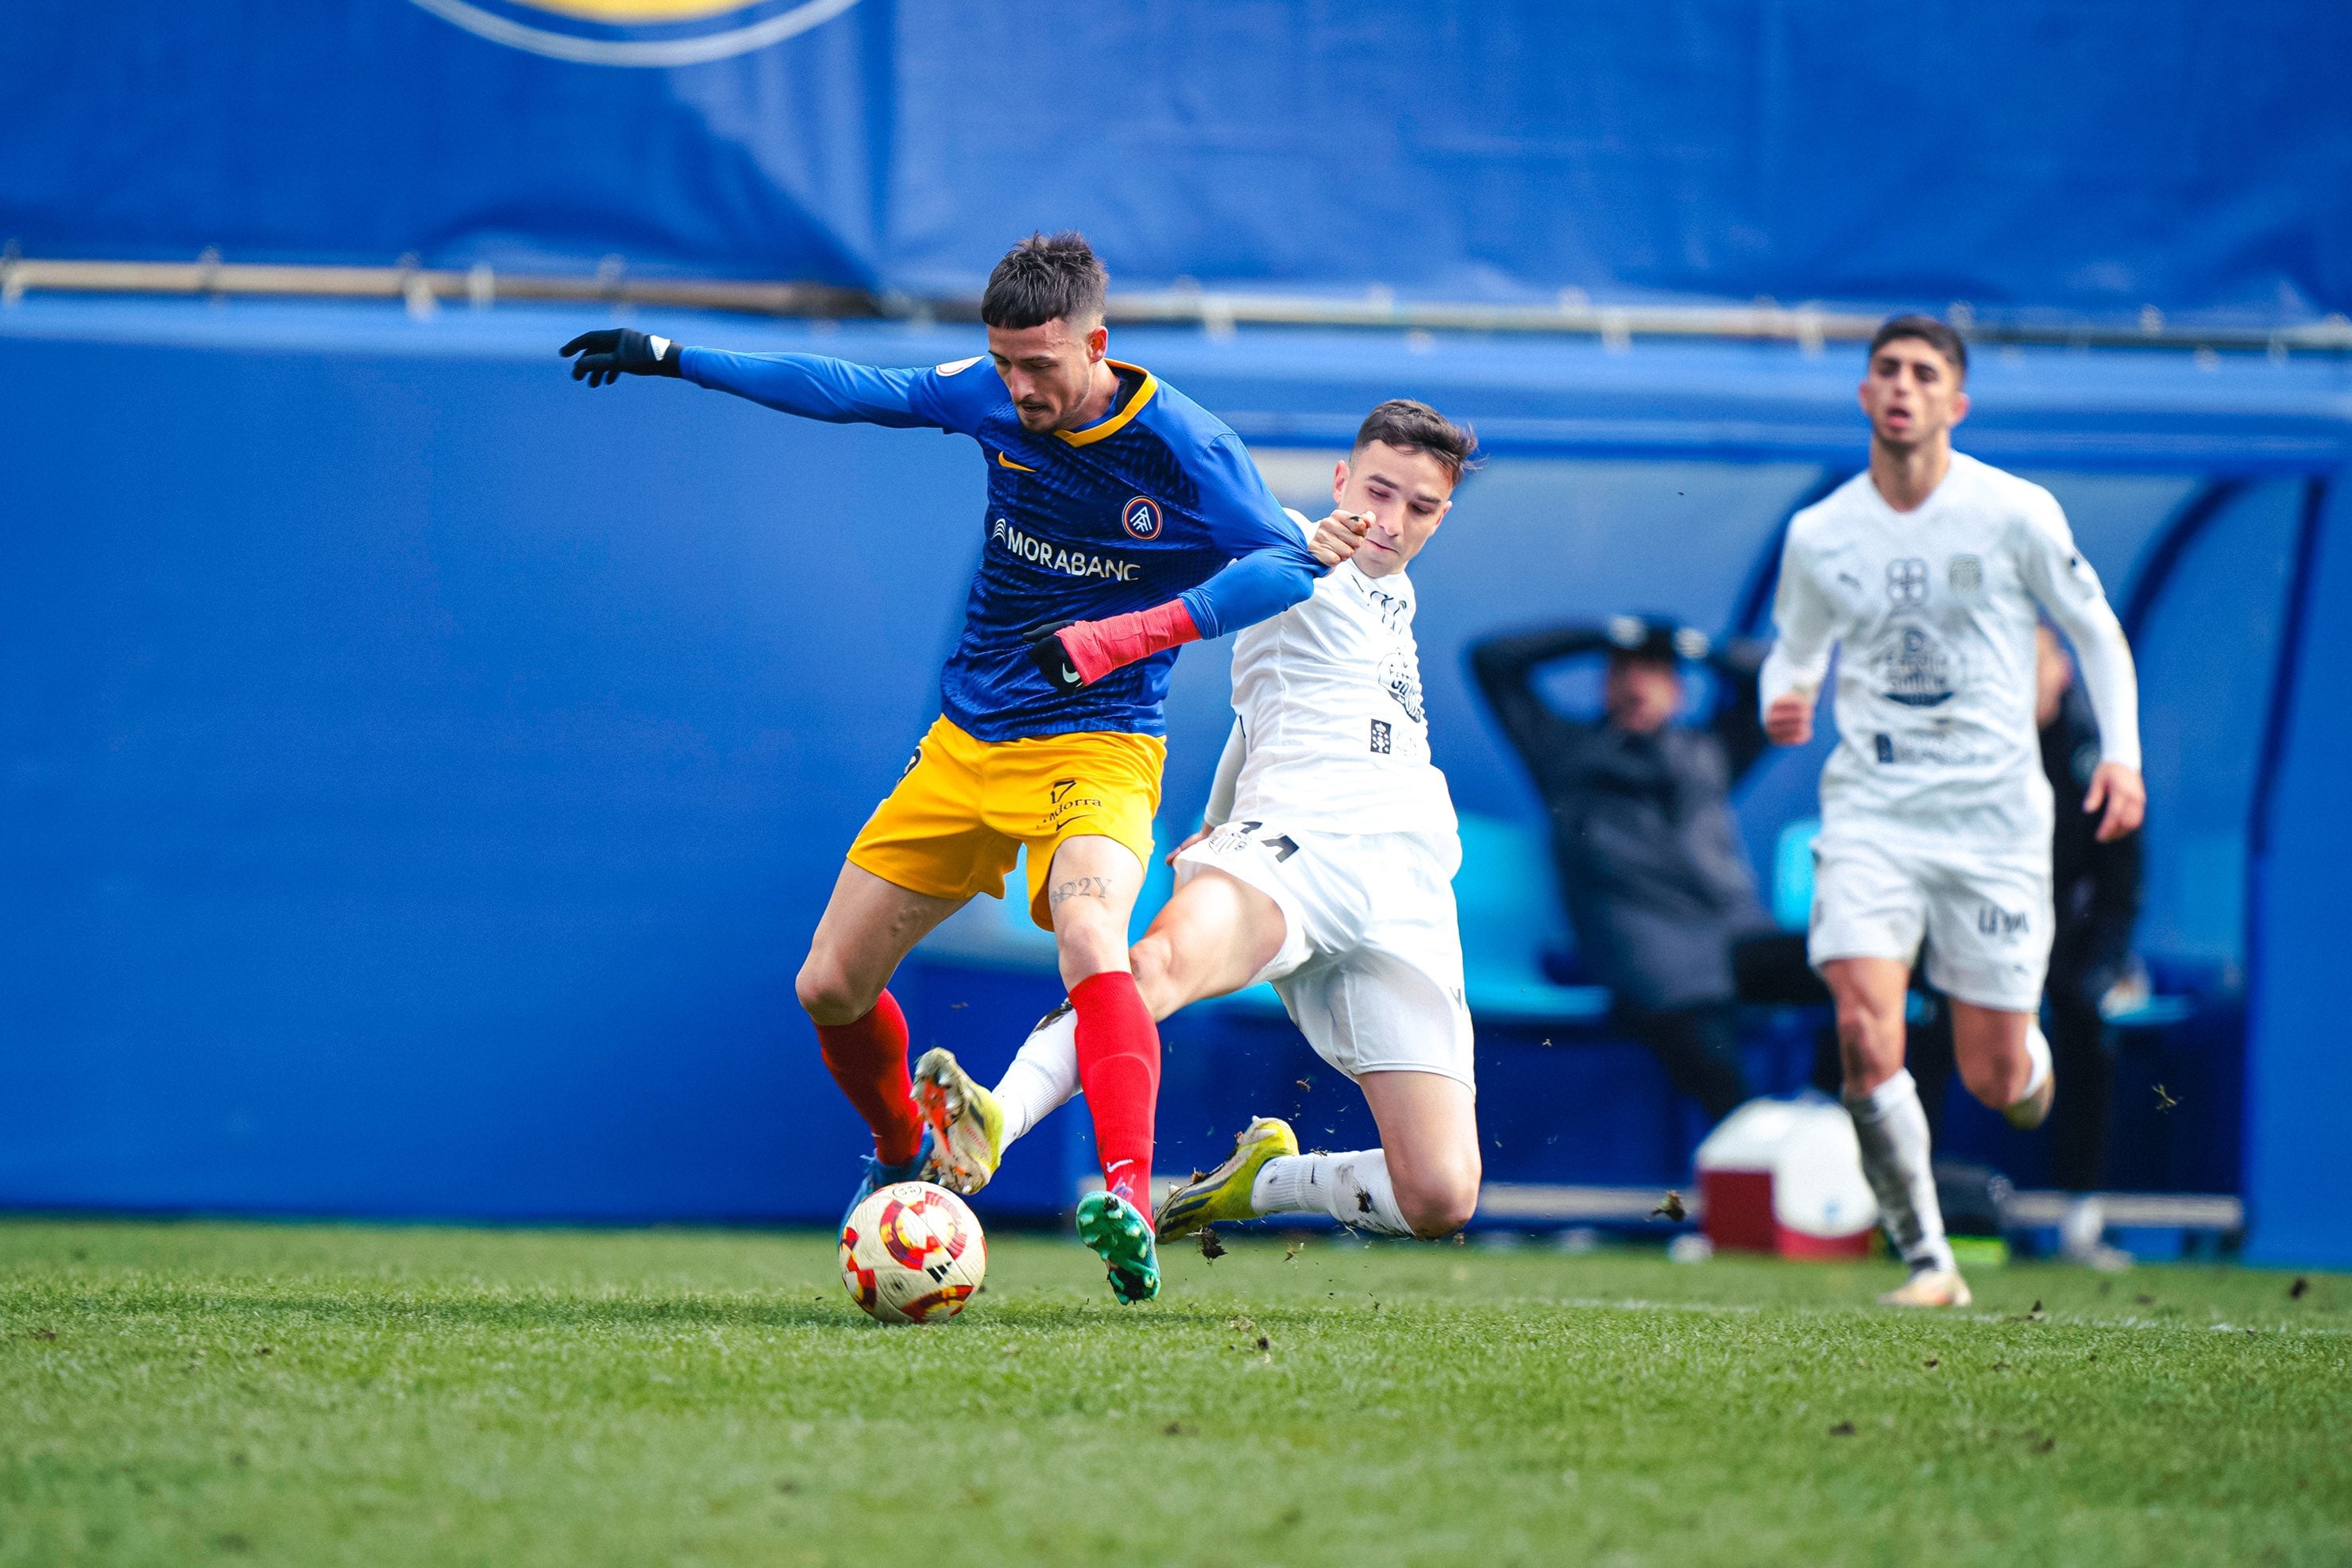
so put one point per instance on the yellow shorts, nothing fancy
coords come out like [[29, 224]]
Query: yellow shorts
[[964, 808]]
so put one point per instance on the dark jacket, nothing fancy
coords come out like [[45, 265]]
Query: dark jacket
[[2094, 886], [1650, 860]]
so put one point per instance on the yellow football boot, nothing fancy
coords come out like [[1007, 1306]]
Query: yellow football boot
[[967, 1124], [1224, 1194], [1929, 1288]]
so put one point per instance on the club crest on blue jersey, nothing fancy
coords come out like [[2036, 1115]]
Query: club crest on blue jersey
[[1142, 518]]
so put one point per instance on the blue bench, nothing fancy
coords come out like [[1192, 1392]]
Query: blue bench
[[1510, 912]]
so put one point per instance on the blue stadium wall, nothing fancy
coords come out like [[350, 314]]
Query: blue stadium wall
[[2046, 157], [421, 775]]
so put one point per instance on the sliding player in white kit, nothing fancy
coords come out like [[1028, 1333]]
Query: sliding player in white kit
[[1325, 864], [1929, 571]]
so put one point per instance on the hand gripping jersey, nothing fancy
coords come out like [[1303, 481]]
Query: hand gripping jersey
[[1147, 504], [1933, 614], [1328, 694]]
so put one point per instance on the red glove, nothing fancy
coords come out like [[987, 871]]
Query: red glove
[[1075, 654]]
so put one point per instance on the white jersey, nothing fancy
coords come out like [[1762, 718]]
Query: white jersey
[[1328, 698], [1933, 612]]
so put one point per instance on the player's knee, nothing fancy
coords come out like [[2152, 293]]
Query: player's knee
[[1996, 1081], [1152, 962], [1437, 1204], [1858, 1042], [1090, 939], [1870, 1020], [1870, 1043], [1437, 1212], [827, 994]]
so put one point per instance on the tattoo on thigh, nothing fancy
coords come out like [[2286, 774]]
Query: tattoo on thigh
[[1078, 888]]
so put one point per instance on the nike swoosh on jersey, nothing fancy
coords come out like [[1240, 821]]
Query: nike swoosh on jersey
[[1004, 462]]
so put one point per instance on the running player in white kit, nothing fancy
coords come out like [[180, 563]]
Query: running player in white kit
[[1325, 864], [1929, 573]]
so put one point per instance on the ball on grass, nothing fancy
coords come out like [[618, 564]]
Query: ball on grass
[[912, 1253]]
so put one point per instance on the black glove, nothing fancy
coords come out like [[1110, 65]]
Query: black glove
[[608, 353], [1052, 658]]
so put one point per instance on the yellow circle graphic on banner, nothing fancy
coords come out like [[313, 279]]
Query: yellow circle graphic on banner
[[644, 33], [638, 10]]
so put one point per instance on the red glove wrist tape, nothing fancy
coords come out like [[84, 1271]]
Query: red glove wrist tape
[[1097, 647]]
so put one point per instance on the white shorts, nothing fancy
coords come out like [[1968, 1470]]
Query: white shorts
[[1986, 917], [1371, 966]]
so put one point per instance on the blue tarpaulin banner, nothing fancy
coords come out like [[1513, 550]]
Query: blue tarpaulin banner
[[2027, 156]]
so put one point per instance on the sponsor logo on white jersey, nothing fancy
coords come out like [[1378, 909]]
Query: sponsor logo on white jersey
[[1906, 583], [2008, 924], [1915, 668], [1930, 751], [1400, 678], [1395, 609]]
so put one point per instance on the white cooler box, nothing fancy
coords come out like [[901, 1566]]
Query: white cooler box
[[1785, 1176]]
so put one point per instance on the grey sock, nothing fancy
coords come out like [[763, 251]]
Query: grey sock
[[1893, 1129]]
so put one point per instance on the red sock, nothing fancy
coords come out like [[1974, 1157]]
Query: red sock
[[868, 1060], [1119, 1069]]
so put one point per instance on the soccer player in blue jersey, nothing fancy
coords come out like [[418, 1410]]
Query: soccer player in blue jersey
[[1123, 520]]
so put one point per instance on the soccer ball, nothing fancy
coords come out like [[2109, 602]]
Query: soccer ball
[[912, 1253]]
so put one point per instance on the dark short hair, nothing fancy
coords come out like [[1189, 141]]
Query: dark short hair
[[1927, 330], [1411, 426], [1046, 278]]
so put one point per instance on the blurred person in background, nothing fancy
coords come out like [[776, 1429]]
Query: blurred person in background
[[1656, 884], [1932, 571], [2093, 974]]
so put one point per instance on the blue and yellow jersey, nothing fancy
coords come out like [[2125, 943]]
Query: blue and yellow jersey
[[1156, 501]]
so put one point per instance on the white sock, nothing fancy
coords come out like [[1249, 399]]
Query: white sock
[[1352, 1188], [2037, 1047], [2083, 1228], [1043, 1075], [1895, 1160]]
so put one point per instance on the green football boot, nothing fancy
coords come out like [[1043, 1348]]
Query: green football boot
[[1224, 1194], [967, 1124], [1121, 1236]]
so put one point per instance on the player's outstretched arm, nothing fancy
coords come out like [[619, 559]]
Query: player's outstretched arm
[[840, 392], [611, 353]]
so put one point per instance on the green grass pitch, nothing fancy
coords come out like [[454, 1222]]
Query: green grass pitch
[[189, 1393]]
